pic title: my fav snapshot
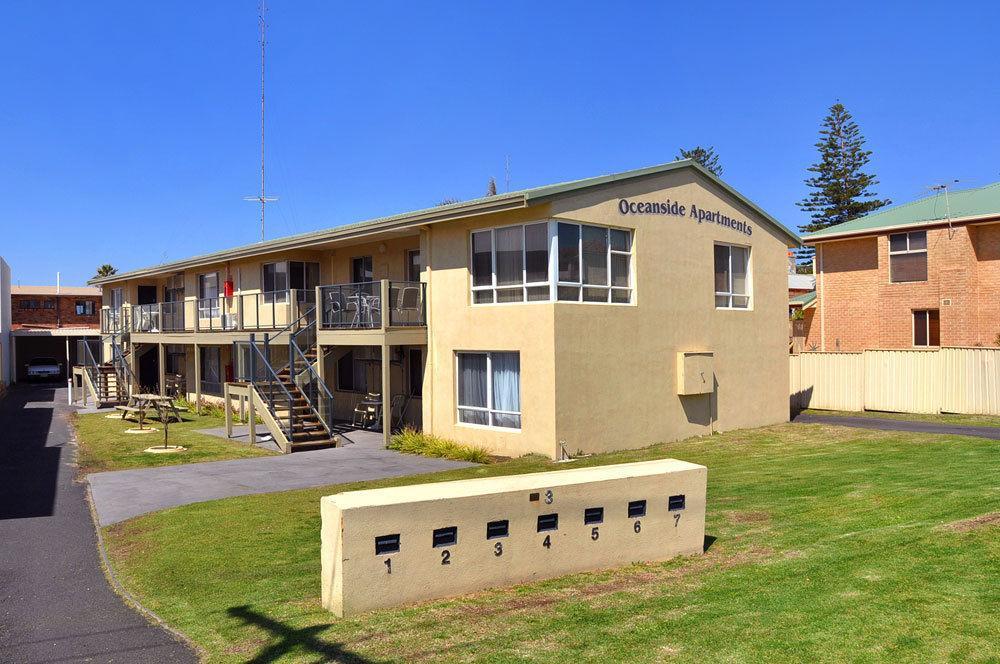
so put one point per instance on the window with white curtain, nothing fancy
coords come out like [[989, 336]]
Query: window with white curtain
[[512, 264], [489, 389], [732, 276]]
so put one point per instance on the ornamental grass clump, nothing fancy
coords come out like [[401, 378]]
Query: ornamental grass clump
[[411, 441]]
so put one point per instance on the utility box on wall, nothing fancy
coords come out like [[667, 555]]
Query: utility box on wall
[[695, 373], [387, 547]]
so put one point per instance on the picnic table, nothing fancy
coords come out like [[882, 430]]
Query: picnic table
[[141, 404]]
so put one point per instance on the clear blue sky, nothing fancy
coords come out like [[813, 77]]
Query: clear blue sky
[[129, 130]]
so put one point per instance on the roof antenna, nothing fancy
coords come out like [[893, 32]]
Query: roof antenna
[[947, 204], [262, 198], [506, 173]]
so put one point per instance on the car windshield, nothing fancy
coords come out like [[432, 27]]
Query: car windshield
[[42, 361]]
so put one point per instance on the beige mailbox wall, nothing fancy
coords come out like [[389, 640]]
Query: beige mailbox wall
[[597, 377], [356, 579]]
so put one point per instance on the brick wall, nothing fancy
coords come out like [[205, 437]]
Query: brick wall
[[860, 308], [60, 311]]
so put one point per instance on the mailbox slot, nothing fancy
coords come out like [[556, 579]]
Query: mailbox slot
[[593, 515], [445, 536], [495, 529], [386, 544], [675, 503], [548, 522], [636, 509]]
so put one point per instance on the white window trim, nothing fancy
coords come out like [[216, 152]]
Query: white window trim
[[551, 282], [729, 294], [927, 327], [905, 252], [489, 410]]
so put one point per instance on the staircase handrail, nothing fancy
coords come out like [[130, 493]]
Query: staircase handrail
[[256, 355], [122, 368], [313, 378]]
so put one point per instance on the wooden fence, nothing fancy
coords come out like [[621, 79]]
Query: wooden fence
[[949, 380]]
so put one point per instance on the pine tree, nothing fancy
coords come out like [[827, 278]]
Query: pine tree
[[704, 156], [841, 189], [491, 188], [106, 270]]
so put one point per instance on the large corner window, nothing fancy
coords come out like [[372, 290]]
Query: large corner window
[[588, 264], [927, 327], [908, 257], [489, 389], [84, 308], [732, 276]]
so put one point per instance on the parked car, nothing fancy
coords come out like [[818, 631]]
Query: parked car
[[44, 368]]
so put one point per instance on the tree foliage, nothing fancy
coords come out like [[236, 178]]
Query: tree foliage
[[491, 187], [704, 156], [841, 189], [106, 270]]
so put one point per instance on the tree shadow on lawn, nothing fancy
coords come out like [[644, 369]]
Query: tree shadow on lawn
[[290, 639]]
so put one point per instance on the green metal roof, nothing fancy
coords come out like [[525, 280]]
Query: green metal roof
[[929, 210], [803, 299], [483, 205]]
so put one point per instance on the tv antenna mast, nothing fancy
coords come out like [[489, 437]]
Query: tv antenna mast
[[947, 203], [263, 199]]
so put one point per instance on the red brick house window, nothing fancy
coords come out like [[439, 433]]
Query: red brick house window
[[908, 256], [927, 328]]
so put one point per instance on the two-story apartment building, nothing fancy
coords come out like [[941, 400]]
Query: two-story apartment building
[[919, 275], [605, 313]]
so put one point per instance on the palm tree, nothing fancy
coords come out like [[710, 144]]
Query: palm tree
[[106, 270]]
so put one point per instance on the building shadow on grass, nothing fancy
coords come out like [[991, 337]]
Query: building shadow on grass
[[709, 541], [287, 639]]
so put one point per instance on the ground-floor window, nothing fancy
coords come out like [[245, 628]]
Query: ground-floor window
[[175, 357], [927, 327], [489, 389]]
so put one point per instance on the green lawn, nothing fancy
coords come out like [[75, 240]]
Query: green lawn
[[827, 544], [104, 445], [943, 418]]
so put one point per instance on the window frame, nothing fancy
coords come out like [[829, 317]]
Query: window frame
[[82, 306], [552, 281], [749, 278], [906, 252], [211, 310], [410, 265], [488, 409], [927, 327]]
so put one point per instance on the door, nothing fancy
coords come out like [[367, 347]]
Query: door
[[146, 295]]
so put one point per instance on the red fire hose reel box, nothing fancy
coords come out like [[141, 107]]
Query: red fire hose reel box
[[227, 288]]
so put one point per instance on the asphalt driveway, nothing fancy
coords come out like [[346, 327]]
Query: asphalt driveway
[[123, 494], [55, 603]]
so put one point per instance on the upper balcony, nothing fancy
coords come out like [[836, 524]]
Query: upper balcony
[[349, 311]]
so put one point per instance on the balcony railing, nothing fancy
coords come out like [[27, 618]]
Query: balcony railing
[[365, 305], [247, 311], [114, 320]]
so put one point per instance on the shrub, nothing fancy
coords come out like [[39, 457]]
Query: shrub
[[412, 441]]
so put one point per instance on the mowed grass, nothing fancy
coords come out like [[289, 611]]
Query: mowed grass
[[827, 544], [104, 445], [942, 418]]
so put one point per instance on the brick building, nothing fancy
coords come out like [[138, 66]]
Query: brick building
[[47, 322], [920, 275], [49, 307]]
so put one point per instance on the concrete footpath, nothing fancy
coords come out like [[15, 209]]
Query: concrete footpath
[[123, 494], [886, 424], [55, 602]]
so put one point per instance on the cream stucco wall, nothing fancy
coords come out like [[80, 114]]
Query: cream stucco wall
[[597, 377]]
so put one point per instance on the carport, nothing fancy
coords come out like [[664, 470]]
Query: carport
[[60, 343]]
